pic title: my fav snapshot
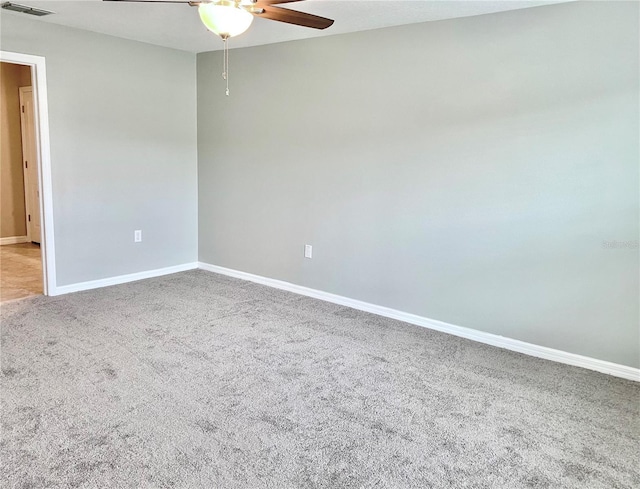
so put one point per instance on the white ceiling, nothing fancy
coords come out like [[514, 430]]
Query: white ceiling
[[178, 26]]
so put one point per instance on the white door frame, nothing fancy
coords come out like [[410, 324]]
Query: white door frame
[[43, 150]]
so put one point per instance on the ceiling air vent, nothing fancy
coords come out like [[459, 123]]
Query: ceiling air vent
[[24, 9]]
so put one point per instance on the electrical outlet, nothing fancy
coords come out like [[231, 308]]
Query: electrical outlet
[[137, 236], [308, 251]]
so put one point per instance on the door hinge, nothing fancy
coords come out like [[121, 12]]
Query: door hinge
[[22, 109], [29, 217], [26, 164]]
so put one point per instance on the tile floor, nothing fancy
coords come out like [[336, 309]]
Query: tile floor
[[20, 271]]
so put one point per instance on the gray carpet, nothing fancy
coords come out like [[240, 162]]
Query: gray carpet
[[197, 380]]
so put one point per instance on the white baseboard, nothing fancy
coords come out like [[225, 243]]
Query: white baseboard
[[121, 279], [560, 356], [13, 240]]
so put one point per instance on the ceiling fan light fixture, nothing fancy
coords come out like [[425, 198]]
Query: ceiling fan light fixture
[[225, 20]]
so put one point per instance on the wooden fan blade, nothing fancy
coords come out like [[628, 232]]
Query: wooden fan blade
[[294, 17], [262, 3]]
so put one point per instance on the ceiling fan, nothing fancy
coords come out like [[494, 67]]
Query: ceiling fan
[[229, 18], [219, 9]]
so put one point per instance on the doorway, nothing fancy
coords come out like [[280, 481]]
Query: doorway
[[26, 227], [20, 256]]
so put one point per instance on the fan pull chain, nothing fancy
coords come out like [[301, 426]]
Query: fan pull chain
[[225, 63]]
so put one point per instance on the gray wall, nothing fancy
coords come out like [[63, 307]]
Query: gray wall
[[122, 120], [469, 171]]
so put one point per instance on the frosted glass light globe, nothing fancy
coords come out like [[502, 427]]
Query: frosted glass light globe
[[224, 20]]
